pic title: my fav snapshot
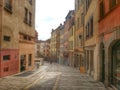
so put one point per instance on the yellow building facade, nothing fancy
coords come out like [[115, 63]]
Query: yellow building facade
[[53, 45], [79, 34], [91, 38]]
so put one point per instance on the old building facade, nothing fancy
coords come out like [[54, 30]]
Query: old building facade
[[52, 44], [37, 49], [47, 50], [66, 36], [53, 50], [79, 34], [27, 34], [17, 36], [109, 42], [61, 59], [90, 37], [71, 37], [58, 41]]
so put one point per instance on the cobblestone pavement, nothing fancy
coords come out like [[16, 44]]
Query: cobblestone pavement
[[60, 77], [20, 81]]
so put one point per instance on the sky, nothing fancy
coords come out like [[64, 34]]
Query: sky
[[49, 15]]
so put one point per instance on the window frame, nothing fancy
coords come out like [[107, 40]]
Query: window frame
[[101, 9], [7, 38], [6, 57], [8, 6]]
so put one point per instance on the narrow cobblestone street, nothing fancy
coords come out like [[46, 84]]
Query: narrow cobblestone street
[[60, 77], [50, 77]]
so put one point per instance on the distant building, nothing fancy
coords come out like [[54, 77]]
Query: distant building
[[55, 44], [37, 48], [42, 47], [71, 39], [17, 36], [79, 33], [47, 50], [66, 36], [61, 59]]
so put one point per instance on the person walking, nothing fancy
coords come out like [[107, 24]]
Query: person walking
[[50, 60]]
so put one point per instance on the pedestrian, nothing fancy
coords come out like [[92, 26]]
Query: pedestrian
[[50, 61], [37, 65]]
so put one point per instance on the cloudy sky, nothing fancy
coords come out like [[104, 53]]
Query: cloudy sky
[[49, 15]]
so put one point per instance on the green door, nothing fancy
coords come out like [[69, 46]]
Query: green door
[[115, 69]]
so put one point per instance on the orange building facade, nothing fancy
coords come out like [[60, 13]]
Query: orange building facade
[[109, 42]]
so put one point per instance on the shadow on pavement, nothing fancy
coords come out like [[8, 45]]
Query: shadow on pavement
[[25, 74]]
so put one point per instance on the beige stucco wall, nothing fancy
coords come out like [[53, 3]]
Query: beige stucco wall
[[13, 24], [92, 42], [26, 49]]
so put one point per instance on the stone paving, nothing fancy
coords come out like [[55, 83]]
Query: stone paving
[[50, 77], [61, 77], [20, 81]]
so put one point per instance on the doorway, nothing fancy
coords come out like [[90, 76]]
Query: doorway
[[115, 65], [22, 63]]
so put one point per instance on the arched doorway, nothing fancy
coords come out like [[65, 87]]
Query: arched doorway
[[102, 63], [115, 65]]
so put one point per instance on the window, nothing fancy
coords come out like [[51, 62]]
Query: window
[[30, 18], [6, 38], [25, 37], [29, 59], [88, 4], [89, 28], [8, 5], [81, 40], [113, 3], [82, 18], [6, 57], [101, 9], [26, 16], [30, 1], [29, 38]]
